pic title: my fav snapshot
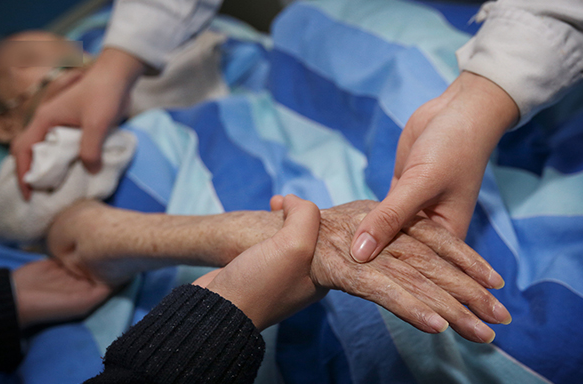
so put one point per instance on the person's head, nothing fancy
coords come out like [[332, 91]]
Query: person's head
[[28, 76]]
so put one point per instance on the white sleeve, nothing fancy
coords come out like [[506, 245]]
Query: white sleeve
[[533, 49], [151, 29]]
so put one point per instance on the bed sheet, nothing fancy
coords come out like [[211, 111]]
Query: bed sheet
[[316, 109]]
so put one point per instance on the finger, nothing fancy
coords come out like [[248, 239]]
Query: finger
[[381, 289], [383, 223], [451, 279], [91, 146], [453, 249], [276, 203], [301, 225], [21, 149], [23, 160], [464, 322], [205, 279]]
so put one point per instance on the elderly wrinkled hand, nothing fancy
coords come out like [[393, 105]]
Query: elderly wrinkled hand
[[425, 275]]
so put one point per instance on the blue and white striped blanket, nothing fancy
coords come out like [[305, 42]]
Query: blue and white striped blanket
[[316, 110]]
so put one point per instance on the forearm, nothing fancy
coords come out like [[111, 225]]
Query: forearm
[[211, 240]]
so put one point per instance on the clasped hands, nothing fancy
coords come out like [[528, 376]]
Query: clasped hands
[[285, 259]]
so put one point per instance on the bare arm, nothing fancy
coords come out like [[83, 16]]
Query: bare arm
[[113, 245], [425, 277]]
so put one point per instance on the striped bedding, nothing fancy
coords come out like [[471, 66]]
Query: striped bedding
[[316, 109]]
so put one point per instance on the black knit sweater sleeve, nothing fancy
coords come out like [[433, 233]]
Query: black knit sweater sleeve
[[10, 353], [192, 336]]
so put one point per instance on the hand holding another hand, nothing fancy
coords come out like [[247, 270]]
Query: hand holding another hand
[[271, 280], [94, 103], [441, 159], [425, 276]]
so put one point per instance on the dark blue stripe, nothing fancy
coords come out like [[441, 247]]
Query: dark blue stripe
[[130, 196], [239, 179], [308, 352], [319, 99], [63, 354], [155, 285], [458, 15], [542, 143], [546, 333]]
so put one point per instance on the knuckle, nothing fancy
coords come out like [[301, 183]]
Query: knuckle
[[389, 218]]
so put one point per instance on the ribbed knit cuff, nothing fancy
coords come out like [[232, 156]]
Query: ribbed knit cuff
[[10, 353], [192, 336]]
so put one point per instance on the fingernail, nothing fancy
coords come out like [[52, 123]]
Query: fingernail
[[484, 333], [495, 280], [501, 314], [438, 323], [363, 247]]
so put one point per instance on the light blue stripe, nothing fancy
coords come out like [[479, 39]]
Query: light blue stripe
[[449, 358], [192, 192], [550, 251], [552, 194], [113, 318], [327, 154], [244, 126], [492, 203], [237, 29], [150, 170], [324, 152]]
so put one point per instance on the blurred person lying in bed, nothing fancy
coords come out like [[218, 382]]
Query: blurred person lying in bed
[[36, 66], [431, 274]]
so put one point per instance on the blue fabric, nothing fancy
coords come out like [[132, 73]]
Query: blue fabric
[[317, 110], [295, 348]]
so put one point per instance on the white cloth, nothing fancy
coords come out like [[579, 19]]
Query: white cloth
[[58, 179], [533, 49], [193, 74]]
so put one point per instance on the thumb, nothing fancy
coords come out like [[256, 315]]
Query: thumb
[[383, 223], [205, 279], [301, 221]]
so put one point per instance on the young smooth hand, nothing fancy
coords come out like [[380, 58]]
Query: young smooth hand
[[440, 162], [95, 103], [271, 280], [47, 292]]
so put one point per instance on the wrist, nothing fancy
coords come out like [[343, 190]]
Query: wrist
[[487, 109], [120, 66], [493, 105], [242, 295]]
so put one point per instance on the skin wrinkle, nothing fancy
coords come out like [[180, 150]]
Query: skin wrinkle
[[408, 278]]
